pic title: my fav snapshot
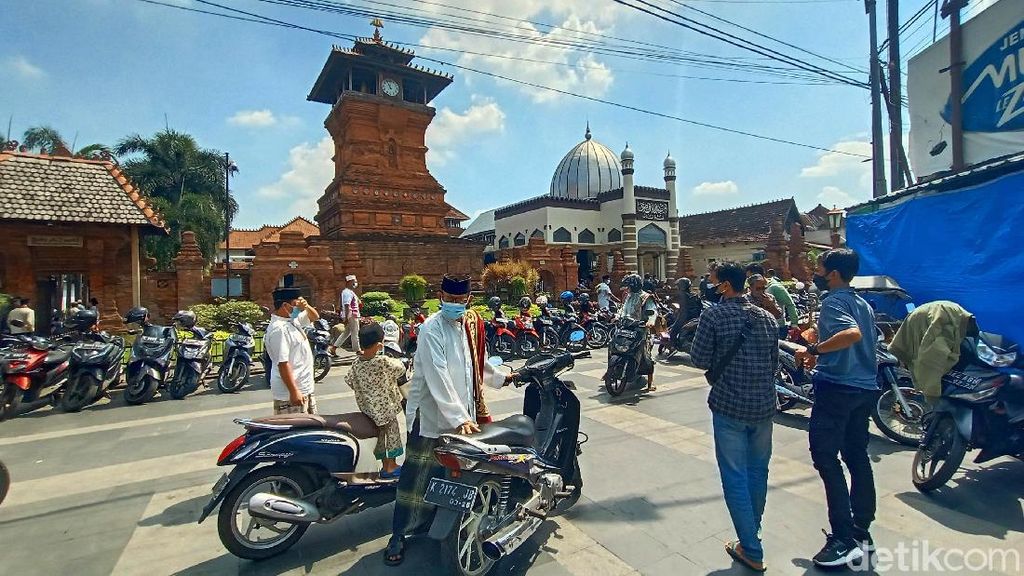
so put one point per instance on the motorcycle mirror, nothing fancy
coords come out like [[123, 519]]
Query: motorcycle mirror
[[495, 361], [577, 336]]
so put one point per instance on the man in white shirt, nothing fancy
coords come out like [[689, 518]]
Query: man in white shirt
[[349, 314], [291, 358], [26, 315], [445, 395], [604, 293]]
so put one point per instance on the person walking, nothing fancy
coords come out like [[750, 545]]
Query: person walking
[[782, 297], [291, 358], [605, 297], [736, 342], [26, 317], [349, 316], [845, 389]]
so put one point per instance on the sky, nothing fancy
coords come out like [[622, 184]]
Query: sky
[[99, 70]]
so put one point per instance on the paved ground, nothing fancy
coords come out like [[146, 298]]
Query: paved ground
[[117, 489]]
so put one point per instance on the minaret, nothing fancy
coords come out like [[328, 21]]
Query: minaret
[[672, 259], [629, 239]]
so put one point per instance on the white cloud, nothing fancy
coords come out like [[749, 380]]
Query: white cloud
[[834, 196], [540, 61], [253, 118], [837, 163], [20, 66], [451, 129], [310, 169], [726, 188]]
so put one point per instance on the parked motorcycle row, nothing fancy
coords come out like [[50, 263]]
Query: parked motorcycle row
[[524, 335]]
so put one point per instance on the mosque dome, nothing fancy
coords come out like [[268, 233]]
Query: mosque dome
[[587, 170], [627, 154], [670, 162]]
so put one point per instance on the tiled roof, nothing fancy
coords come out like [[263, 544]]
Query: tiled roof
[[63, 189], [745, 223], [455, 213], [242, 239]]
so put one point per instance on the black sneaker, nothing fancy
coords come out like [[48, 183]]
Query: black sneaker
[[838, 552], [863, 537]]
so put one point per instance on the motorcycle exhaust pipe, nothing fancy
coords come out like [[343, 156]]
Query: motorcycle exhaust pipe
[[508, 539], [282, 509]]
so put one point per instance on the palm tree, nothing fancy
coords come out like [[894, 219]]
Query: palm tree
[[47, 140], [187, 183]]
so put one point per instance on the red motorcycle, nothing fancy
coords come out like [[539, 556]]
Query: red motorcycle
[[501, 337], [527, 339], [33, 369], [410, 334]]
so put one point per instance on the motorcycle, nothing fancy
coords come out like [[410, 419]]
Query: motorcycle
[[96, 363], [527, 339], [194, 359], [683, 341], [291, 471], [502, 483], [501, 337], [898, 412], [982, 407], [625, 352], [410, 334], [150, 360], [319, 335], [238, 350], [598, 331], [32, 370], [565, 326]]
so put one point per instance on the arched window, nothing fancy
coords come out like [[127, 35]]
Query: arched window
[[562, 235], [614, 235], [503, 242], [652, 234], [586, 236], [537, 234], [520, 239]]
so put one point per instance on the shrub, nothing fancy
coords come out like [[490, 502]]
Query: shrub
[[376, 304], [225, 316], [414, 287], [206, 315], [517, 287], [500, 276]]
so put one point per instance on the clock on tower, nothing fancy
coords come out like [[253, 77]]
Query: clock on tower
[[378, 119]]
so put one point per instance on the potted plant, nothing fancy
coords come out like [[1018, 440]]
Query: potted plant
[[414, 288]]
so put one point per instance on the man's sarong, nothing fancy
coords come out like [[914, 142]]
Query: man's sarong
[[412, 514]]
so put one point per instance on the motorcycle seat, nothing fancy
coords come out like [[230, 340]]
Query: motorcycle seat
[[57, 356], [355, 423], [512, 431]]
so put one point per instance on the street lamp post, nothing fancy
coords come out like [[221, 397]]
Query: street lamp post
[[835, 222], [227, 228]]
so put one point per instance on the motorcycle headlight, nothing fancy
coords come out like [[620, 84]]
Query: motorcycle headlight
[[620, 347], [190, 353], [993, 358]]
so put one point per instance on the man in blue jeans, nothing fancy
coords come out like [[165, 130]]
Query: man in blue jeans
[[845, 389], [742, 403]]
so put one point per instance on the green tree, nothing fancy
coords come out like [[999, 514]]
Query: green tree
[[186, 183], [47, 140]]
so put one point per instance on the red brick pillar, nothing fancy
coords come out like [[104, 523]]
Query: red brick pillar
[[189, 265], [798, 254], [776, 250], [570, 269]]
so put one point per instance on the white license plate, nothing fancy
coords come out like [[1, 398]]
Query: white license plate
[[450, 495]]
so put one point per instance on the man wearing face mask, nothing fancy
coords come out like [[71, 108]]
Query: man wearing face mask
[[450, 369], [291, 358], [640, 305], [349, 315], [845, 389]]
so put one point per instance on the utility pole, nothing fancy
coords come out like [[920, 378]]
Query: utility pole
[[878, 187], [227, 227], [895, 97], [952, 8]]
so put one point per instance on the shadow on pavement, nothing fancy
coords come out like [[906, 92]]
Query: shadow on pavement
[[178, 514], [810, 568], [980, 501]]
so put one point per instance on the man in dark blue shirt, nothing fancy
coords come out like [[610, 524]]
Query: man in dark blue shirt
[[845, 389]]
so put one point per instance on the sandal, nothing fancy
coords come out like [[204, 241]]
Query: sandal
[[395, 552], [393, 475], [734, 550]]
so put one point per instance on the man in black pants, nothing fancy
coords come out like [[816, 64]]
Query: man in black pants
[[845, 389]]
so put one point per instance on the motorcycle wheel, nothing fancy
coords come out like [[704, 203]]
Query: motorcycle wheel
[[503, 345], [79, 393], [232, 376], [5, 482], [666, 352], [527, 345], [464, 545], [565, 504], [186, 383], [550, 338], [236, 527], [10, 399], [321, 366], [597, 337], [890, 419], [580, 346], [785, 402], [618, 380], [141, 390], [937, 461]]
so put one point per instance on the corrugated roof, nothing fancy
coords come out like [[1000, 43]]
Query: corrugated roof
[[482, 223], [64, 189]]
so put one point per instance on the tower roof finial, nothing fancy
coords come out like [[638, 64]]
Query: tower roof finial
[[377, 25], [587, 135]]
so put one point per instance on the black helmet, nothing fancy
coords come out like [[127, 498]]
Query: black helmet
[[633, 282], [525, 302], [683, 284], [82, 319], [494, 302], [584, 297], [186, 318], [137, 315]]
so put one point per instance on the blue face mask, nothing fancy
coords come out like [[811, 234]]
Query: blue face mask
[[453, 310], [295, 312]]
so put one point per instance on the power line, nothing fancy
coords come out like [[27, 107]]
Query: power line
[[274, 22]]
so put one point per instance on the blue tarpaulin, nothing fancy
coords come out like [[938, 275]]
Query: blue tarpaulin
[[948, 242]]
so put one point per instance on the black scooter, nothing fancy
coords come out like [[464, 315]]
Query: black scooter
[[625, 354], [150, 361], [238, 350], [319, 335], [194, 358], [982, 407], [96, 363], [502, 483]]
